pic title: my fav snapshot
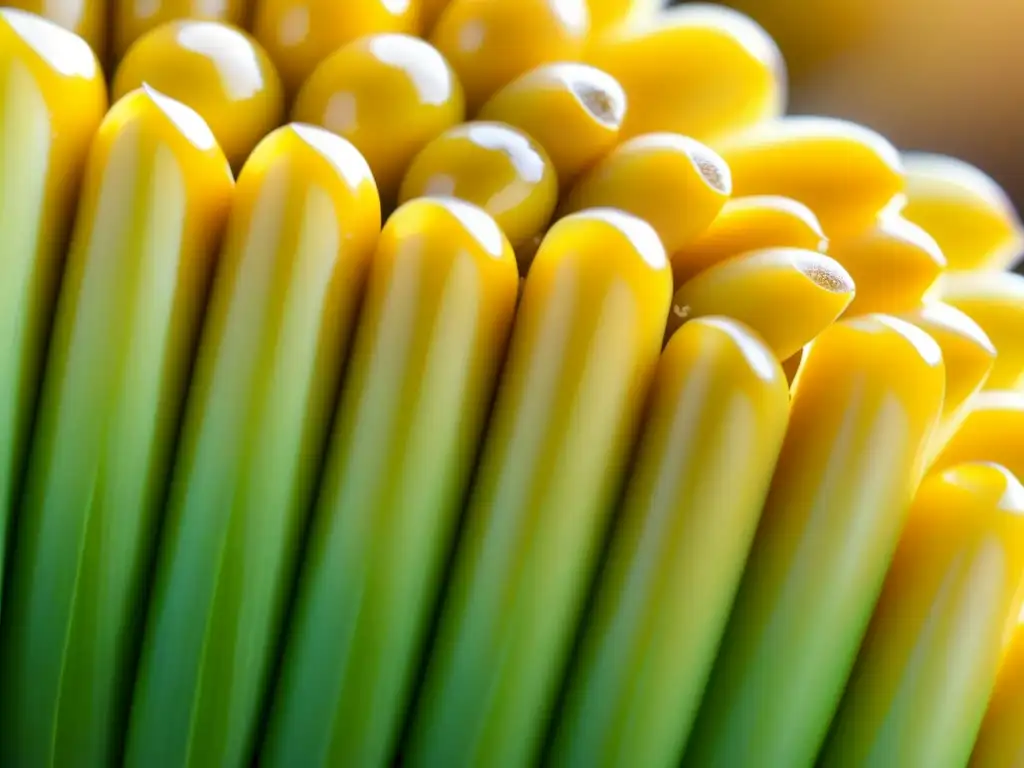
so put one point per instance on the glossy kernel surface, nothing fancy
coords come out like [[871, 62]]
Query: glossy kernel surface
[[750, 224], [718, 409], [584, 347], [154, 197], [389, 95], [299, 34], [492, 42], [754, 288], [992, 430], [867, 397], [134, 18], [608, 15], [674, 183], [53, 98], [968, 356], [282, 307], [995, 301], [86, 18], [969, 215], [926, 668], [804, 157], [574, 111], [493, 166], [894, 263], [217, 70], [699, 69], [435, 320]]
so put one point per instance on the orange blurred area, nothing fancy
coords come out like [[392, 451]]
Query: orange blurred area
[[936, 75]]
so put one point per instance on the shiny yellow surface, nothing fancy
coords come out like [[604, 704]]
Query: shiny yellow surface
[[432, 333], [574, 111], [868, 395], [992, 430], [893, 263], [843, 172], [282, 308], [1000, 742], [86, 18], [750, 224], [718, 409], [492, 42], [995, 301], [585, 345], [919, 690], [217, 70], [494, 166], [701, 70], [968, 214], [299, 34], [787, 295], [153, 201], [53, 98], [389, 95], [968, 356], [672, 182], [608, 15], [134, 18]]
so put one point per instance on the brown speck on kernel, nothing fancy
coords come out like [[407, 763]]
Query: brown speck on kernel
[[712, 172], [828, 279], [601, 104]]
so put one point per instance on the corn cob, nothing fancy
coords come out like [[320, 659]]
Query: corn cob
[[154, 198], [301, 233], [584, 347], [53, 98], [714, 427], [435, 322], [867, 399]]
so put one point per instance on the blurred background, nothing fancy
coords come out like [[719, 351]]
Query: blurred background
[[938, 75]]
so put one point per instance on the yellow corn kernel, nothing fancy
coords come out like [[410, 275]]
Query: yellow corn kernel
[[299, 34], [389, 95], [968, 214], [494, 166], [701, 70], [787, 295], [893, 263], [153, 201], [919, 690], [1000, 742], [53, 97], [492, 42], [750, 224], [992, 430], [674, 183], [868, 396], [86, 18], [968, 356], [134, 18], [608, 15], [217, 70], [995, 301], [583, 350], [845, 173], [574, 111], [715, 422]]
